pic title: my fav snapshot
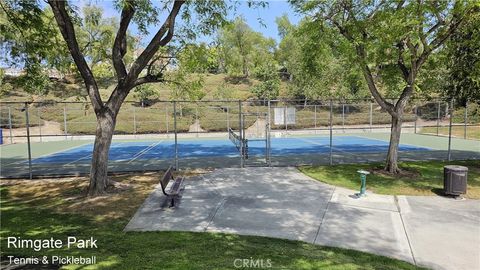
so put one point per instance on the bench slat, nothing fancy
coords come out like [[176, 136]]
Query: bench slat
[[175, 189]]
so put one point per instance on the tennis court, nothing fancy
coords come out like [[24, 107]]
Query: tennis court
[[74, 157], [165, 149]]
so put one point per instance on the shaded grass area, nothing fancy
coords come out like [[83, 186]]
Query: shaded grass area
[[472, 132], [57, 208], [424, 177]]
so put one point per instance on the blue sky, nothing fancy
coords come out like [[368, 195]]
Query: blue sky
[[267, 15]]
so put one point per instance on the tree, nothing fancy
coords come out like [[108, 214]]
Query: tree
[[269, 86], [144, 92], [208, 15], [389, 36], [243, 49], [463, 56], [313, 54], [199, 58]]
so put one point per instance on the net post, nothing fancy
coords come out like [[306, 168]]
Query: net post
[[27, 124], [465, 120], [39, 124], [438, 115], [175, 132], [449, 157], [65, 132], [331, 130], [240, 125], [10, 124]]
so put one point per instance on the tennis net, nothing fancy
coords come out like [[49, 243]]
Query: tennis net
[[238, 142]]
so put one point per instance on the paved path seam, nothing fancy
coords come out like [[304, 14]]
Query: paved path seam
[[323, 216], [404, 229]]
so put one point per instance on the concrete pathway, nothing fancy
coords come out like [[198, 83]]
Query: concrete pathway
[[435, 232]]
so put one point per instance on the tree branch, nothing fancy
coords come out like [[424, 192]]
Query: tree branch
[[120, 44], [160, 39], [367, 73], [157, 41], [68, 32], [400, 61]]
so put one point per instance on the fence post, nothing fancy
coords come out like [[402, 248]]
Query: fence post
[[134, 122], [371, 115], [331, 130], [416, 118], [268, 136], [39, 124], [240, 125], [166, 117], [10, 124], [175, 132], [228, 120], [285, 118], [315, 117], [65, 121], [27, 124], [343, 116], [438, 115], [449, 157], [465, 121], [196, 120]]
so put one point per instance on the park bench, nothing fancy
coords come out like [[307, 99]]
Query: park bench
[[174, 191]]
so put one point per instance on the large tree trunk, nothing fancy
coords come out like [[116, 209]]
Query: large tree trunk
[[392, 156], [99, 168]]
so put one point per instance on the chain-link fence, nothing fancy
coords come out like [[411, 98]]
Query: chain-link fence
[[195, 133]]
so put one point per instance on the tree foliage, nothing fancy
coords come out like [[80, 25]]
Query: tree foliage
[[392, 40], [314, 55], [463, 54], [242, 49], [269, 86]]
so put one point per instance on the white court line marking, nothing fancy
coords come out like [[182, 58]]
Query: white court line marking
[[46, 155], [137, 155], [400, 143], [328, 145]]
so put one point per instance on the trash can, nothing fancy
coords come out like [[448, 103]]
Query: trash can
[[455, 180]]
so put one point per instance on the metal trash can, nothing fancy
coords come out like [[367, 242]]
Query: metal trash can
[[455, 180]]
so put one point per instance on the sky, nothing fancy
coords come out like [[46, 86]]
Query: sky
[[253, 16], [267, 15]]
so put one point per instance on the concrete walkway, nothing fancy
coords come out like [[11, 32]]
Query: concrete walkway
[[435, 232]]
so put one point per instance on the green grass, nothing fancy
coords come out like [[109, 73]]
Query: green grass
[[40, 210], [427, 181]]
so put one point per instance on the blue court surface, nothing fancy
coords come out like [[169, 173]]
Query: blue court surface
[[165, 149]]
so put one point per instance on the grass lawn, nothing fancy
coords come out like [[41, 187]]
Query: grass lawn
[[56, 208], [425, 177]]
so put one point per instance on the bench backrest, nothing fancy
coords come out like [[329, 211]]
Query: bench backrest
[[166, 178]]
